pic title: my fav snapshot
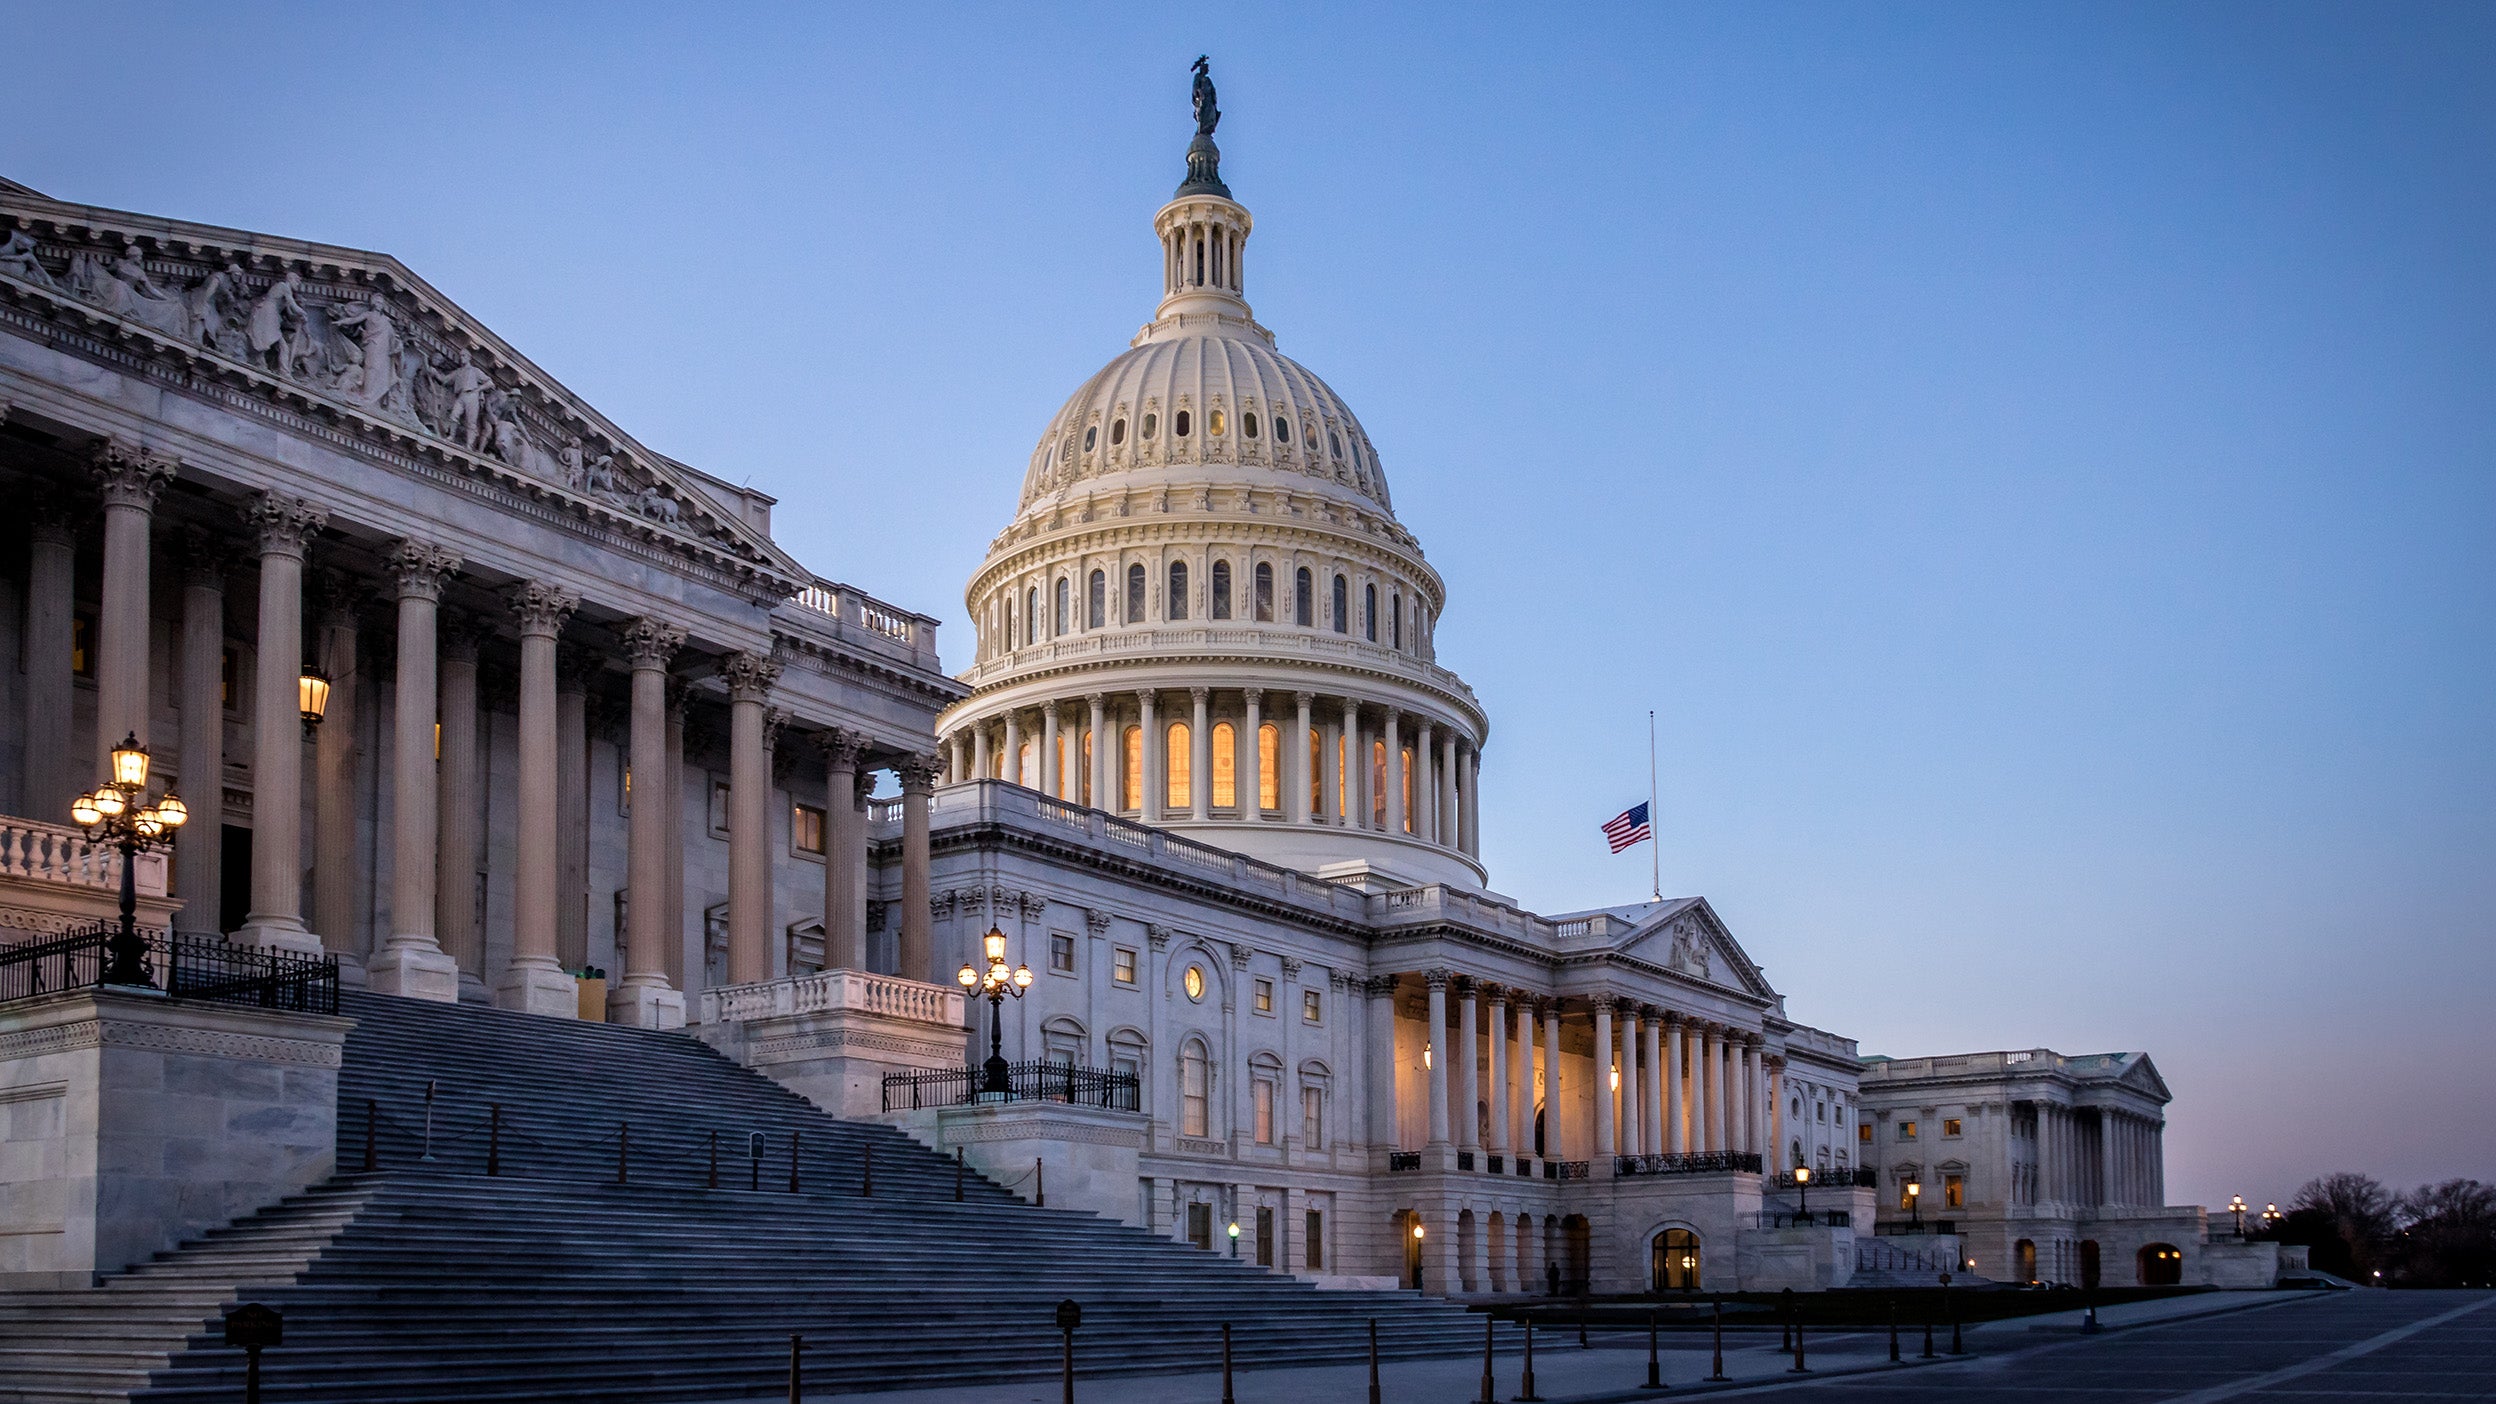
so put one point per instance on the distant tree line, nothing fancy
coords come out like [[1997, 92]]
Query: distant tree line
[[2441, 1235]]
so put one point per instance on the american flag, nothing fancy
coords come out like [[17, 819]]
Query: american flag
[[1630, 827]]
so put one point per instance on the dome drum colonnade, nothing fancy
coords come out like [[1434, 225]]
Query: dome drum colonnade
[[1206, 616]]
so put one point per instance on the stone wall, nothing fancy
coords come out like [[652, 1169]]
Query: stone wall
[[130, 1122]]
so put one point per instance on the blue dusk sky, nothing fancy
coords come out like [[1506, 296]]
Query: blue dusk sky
[[2035, 460]]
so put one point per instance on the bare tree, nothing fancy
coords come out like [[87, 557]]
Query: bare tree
[[2354, 1207], [2447, 1235]]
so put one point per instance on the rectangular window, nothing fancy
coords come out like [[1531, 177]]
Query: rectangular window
[[1265, 1236], [1264, 996], [1906, 1130], [1949, 1126], [1313, 1118], [1122, 965], [1131, 787], [1311, 1006], [1195, 1097], [1200, 1225], [1135, 594], [719, 807], [1863, 1133], [806, 830], [1265, 594], [1313, 1239], [1263, 1100], [1954, 1191], [1820, 1111], [1062, 953]]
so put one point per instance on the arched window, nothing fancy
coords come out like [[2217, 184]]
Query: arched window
[[1282, 429], [1096, 601], [1269, 766], [1117, 432], [1152, 424], [1031, 615], [1248, 423], [1317, 774], [1083, 784], [1378, 784], [1343, 605], [1174, 761], [1408, 789], [1131, 769], [1195, 1091], [1675, 1260], [1009, 622], [1303, 606], [1215, 424], [1220, 606], [1091, 435], [1225, 765], [1064, 1043], [1065, 606], [1265, 593], [1175, 607], [1027, 766], [1135, 594], [1178, 424], [1369, 613], [1395, 620], [1337, 440]]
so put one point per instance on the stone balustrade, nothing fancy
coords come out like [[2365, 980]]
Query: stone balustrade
[[832, 991], [59, 853]]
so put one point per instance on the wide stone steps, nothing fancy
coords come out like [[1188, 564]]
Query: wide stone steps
[[432, 1281]]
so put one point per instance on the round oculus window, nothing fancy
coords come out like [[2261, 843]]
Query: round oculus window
[[1194, 980]]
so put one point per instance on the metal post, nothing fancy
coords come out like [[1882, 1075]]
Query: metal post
[[1798, 1367], [754, 1160], [372, 1127], [623, 1152], [251, 1354], [1525, 1390], [427, 1157], [1226, 1365], [1655, 1360], [1373, 1361], [1719, 1372], [957, 1174], [797, 1352], [1893, 1330], [866, 1183], [1490, 1392], [1785, 1320], [1581, 1323], [1066, 1367], [1956, 1347], [1040, 1187], [1928, 1334], [793, 1140], [714, 1184], [493, 1138]]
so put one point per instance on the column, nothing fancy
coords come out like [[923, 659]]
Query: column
[[1452, 828], [334, 859], [1472, 804], [275, 921], [1467, 1110], [750, 677], [199, 846], [1747, 1139], [411, 961], [1154, 790], [1521, 1107], [129, 479], [1552, 1144], [1014, 746], [1425, 795], [645, 998], [1607, 1144], [1633, 1127], [1048, 751], [1498, 999], [534, 982], [1659, 1077], [1676, 1135], [1199, 754], [53, 774], [1711, 1125], [1395, 774], [917, 955], [1776, 1155], [1104, 752], [1248, 769], [1383, 1121], [1295, 763], [458, 794], [1356, 763], [672, 785], [844, 853], [573, 668], [982, 765], [1438, 1059], [1330, 782]]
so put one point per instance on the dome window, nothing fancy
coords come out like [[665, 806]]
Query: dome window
[[1135, 594], [1151, 423], [1337, 440], [1303, 611], [1091, 435], [1096, 606], [1248, 423], [1215, 424], [1265, 593], [1282, 429], [1175, 604], [1117, 432], [1219, 603], [1178, 425]]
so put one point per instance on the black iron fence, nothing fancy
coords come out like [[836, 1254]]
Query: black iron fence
[[1027, 1082], [1795, 1218], [1687, 1163], [185, 967], [1859, 1177], [1398, 1161]]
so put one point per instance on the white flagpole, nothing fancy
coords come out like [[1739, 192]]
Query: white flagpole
[[1655, 845]]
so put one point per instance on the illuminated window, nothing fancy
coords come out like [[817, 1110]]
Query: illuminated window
[[1317, 774], [1194, 982], [1313, 1136], [1378, 784], [806, 829], [81, 652], [1225, 767], [1135, 594], [1096, 602], [1954, 1191], [1863, 1133], [1219, 607], [1264, 1097], [1269, 766], [1262, 996], [1175, 760], [1195, 1088], [1906, 1130], [1408, 789], [1122, 965], [1027, 765], [1176, 605], [1264, 593], [1312, 1005], [1949, 1126], [1131, 781], [1083, 783]]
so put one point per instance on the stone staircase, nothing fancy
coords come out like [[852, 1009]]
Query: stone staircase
[[432, 1280]]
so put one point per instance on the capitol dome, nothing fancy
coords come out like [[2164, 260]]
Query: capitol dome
[[1205, 616]]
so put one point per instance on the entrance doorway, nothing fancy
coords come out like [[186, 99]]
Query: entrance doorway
[[1408, 1232], [2088, 1263], [1200, 1226], [1577, 1244], [1673, 1261], [2024, 1254], [233, 878], [2162, 1265]]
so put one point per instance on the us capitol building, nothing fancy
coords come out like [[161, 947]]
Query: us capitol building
[[595, 745]]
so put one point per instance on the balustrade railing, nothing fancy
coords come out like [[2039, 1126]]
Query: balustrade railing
[[1399, 1161], [1796, 1218], [1857, 1177], [1687, 1163], [1027, 1082], [184, 967], [1568, 1169], [39, 852], [826, 991]]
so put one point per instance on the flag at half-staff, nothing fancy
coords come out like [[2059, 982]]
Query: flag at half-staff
[[1629, 827]]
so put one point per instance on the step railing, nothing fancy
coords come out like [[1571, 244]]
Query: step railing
[[1025, 1082], [184, 967]]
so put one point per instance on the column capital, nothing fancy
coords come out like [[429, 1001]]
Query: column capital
[[1158, 935], [541, 608], [1291, 968], [750, 676], [1673, 1019], [775, 721], [1378, 986], [128, 475], [206, 558], [1096, 920], [1305, 700], [420, 568], [1465, 985], [1436, 979], [1097, 701], [1144, 696], [1198, 695], [842, 748], [651, 642], [52, 514], [1525, 1002], [919, 774], [1253, 696], [1421, 727], [1240, 953], [283, 524], [1602, 1003]]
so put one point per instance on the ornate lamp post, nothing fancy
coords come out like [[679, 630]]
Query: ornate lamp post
[[994, 984], [2236, 1206], [113, 813], [1915, 1203], [2270, 1217], [1802, 1185]]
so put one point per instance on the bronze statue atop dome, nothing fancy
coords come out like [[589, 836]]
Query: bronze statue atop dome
[[1204, 159]]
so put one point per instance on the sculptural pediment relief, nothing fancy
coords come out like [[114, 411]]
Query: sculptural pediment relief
[[353, 329], [1689, 939]]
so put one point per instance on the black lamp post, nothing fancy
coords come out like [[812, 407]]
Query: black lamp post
[[1802, 1186], [995, 983], [113, 814], [2236, 1206], [1915, 1200]]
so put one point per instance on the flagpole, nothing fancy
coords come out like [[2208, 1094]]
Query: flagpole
[[1655, 845]]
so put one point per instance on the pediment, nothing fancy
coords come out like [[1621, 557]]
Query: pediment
[[359, 337], [1688, 938]]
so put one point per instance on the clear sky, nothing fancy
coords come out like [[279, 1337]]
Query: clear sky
[[2038, 462]]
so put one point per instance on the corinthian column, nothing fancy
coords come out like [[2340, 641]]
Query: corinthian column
[[334, 752], [534, 982], [844, 853], [1552, 1144], [53, 772], [459, 802], [1297, 780], [1104, 749], [1199, 755], [1651, 1089], [1436, 1048], [1633, 1132], [918, 948], [1396, 818], [749, 677], [1606, 1144], [129, 480], [199, 847], [1050, 778], [1248, 763], [1710, 1118], [1425, 815], [411, 962], [275, 920], [1676, 1112], [1498, 998], [1468, 1069], [646, 999]]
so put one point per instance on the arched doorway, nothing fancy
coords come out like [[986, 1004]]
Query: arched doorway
[[1538, 1132], [1408, 1232], [1673, 1261], [1577, 1240], [2024, 1255], [2088, 1263], [2162, 1265]]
